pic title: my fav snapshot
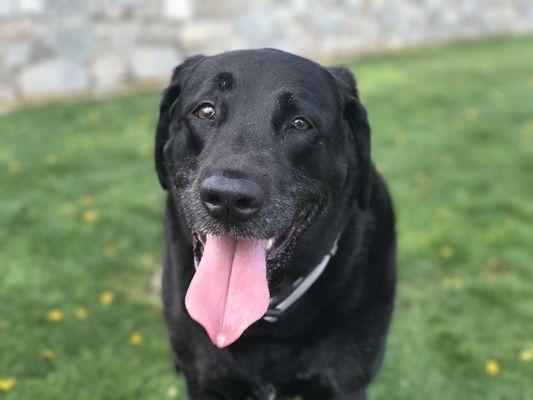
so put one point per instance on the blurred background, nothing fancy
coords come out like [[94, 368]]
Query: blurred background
[[449, 87], [103, 44]]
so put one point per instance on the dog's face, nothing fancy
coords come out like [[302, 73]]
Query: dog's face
[[283, 133], [263, 145]]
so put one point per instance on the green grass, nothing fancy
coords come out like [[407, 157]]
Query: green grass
[[81, 214]]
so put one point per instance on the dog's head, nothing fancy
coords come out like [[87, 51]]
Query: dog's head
[[265, 148]]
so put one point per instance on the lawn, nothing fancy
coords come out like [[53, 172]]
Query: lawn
[[81, 234]]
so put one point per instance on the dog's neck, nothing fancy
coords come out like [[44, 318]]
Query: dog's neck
[[285, 299]]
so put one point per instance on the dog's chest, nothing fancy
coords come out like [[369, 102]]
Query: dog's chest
[[275, 369]]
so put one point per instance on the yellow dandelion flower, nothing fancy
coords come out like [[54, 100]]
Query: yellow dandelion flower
[[136, 339], [50, 159], [446, 252], [509, 223], [81, 313], [67, 129], [48, 354], [442, 212], [107, 298], [400, 141], [420, 193], [493, 263], [404, 383], [144, 120], [172, 392], [472, 113], [86, 201], [421, 177], [490, 238], [94, 115], [103, 139], [14, 167], [492, 367], [109, 250], [55, 315], [452, 282], [7, 384], [90, 216], [145, 152], [150, 199], [526, 355], [381, 167], [66, 208], [447, 159], [147, 260]]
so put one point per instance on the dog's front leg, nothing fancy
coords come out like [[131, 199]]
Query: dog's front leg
[[359, 395]]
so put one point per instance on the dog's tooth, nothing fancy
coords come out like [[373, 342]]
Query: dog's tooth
[[270, 243]]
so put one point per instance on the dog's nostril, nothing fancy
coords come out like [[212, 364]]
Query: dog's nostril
[[212, 199]]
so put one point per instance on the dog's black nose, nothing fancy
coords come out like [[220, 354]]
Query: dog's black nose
[[231, 199]]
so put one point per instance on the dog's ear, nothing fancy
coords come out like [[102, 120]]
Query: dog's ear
[[168, 99], [359, 131]]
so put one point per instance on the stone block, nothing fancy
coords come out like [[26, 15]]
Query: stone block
[[17, 54], [7, 93], [159, 33], [52, 78], [117, 35], [108, 71], [179, 10], [257, 27], [7, 8], [34, 7], [153, 62], [71, 38], [206, 36]]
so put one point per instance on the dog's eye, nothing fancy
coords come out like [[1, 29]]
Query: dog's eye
[[205, 111], [300, 124]]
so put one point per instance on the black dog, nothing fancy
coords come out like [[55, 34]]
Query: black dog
[[279, 273]]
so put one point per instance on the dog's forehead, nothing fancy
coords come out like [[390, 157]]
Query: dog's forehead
[[267, 70]]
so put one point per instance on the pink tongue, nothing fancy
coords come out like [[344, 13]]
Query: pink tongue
[[229, 290]]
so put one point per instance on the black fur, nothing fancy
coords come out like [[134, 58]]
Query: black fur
[[330, 343]]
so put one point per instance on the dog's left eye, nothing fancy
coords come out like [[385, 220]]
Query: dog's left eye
[[300, 124], [205, 111]]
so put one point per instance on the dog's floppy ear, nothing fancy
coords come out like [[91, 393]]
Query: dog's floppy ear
[[168, 98], [356, 116]]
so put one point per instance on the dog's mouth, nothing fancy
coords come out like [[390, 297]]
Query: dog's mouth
[[229, 290], [279, 248]]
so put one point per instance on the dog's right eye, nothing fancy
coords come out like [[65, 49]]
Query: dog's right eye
[[205, 111]]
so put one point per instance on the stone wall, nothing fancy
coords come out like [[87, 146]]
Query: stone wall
[[65, 47]]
